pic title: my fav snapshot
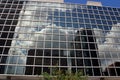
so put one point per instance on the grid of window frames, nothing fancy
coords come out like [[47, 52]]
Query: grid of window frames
[[37, 37]]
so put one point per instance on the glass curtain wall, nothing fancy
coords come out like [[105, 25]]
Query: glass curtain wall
[[64, 36]]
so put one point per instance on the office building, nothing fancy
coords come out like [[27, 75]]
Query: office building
[[39, 36], [9, 14]]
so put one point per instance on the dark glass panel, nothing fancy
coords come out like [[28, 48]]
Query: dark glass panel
[[62, 13], [116, 13], [73, 62], [118, 18], [56, 12], [115, 22], [114, 9], [81, 20], [101, 12], [96, 12], [29, 70], [111, 13], [113, 17], [75, 19], [94, 7], [87, 62], [75, 25], [99, 8], [98, 21], [47, 61], [84, 11], [69, 24], [79, 10], [109, 9], [104, 22], [93, 21], [62, 24], [55, 61], [90, 11], [80, 15], [62, 19], [37, 70], [108, 17], [91, 16], [68, 14], [57, 18], [46, 69], [97, 16], [69, 20], [109, 22], [38, 61], [104, 8], [74, 14], [87, 21], [106, 12], [86, 16], [89, 7]]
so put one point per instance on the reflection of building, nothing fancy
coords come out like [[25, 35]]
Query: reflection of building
[[86, 47], [8, 21], [113, 69], [43, 60]]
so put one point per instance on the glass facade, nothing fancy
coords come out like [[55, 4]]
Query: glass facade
[[36, 37]]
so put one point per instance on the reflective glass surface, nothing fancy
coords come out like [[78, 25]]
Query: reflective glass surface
[[36, 37]]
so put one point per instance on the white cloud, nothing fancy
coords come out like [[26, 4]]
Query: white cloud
[[109, 49]]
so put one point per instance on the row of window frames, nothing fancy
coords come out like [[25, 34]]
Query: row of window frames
[[85, 23], [79, 7], [78, 59], [66, 40], [62, 57], [75, 19], [52, 33], [91, 12], [94, 12], [81, 19], [63, 41], [104, 28], [67, 14], [80, 15], [11, 1], [54, 61], [43, 4], [83, 16], [92, 17], [79, 11], [67, 19], [74, 55], [75, 26], [6, 10], [72, 11], [5, 31], [103, 8], [78, 63], [99, 24], [7, 6], [75, 13]]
